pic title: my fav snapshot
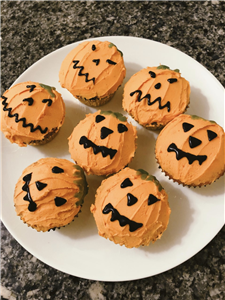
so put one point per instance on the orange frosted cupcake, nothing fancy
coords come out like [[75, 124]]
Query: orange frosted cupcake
[[156, 95], [32, 113], [191, 150], [50, 193], [103, 143], [131, 208], [92, 72]]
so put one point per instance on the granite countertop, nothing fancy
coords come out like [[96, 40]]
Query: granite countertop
[[32, 29]]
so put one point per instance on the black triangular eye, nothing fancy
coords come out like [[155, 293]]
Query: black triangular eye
[[49, 101], [105, 132], [96, 61], [109, 61], [57, 170], [59, 201], [126, 183], [194, 142], [122, 128], [40, 185], [187, 126], [211, 135], [99, 118], [158, 86], [29, 100], [152, 199], [172, 80], [31, 87], [131, 199], [152, 74]]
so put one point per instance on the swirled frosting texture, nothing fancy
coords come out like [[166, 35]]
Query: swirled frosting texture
[[54, 190], [152, 218], [191, 149], [101, 62], [31, 112], [154, 96], [99, 146]]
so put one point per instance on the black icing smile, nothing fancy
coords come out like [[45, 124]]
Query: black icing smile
[[23, 120], [123, 221], [148, 97], [96, 149], [190, 157]]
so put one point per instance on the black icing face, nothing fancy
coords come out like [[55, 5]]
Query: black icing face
[[131, 200], [156, 87], [193, 144], [104, 134], [97, 62], [40, 185], [29, 101]]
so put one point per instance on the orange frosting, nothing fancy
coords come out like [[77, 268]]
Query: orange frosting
[[212, 152], [154, 218], [175, 95], [124, 144], [92, 60], [25, 102], [69, 184]]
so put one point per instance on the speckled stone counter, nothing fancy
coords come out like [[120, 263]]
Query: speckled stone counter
[[32, 29]]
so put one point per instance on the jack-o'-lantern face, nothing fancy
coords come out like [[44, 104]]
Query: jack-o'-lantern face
[[102, 139], [131, 202], [92, 70], [50, 185], [131, 208], [155, 95], [50, 191], [32, 109], [190, 145]]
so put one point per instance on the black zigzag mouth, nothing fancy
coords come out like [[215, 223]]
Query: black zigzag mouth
[[23, 120], [190, 157], [123, 221], [96, 149], [81, 68], [149, 102]]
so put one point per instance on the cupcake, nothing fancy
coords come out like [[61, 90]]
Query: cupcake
[[50, 193], [156, 95], [131, 208], [32, 113], [92, 72], [103, 143], [191, 150]]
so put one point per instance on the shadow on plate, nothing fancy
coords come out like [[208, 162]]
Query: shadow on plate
[[214, 189], [198, 104], [84, 225], [179, 223]]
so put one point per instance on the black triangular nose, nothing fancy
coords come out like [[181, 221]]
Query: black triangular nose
[[194, 142], [105, 132]]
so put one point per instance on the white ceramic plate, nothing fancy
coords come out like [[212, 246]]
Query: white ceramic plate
[[197, 214]]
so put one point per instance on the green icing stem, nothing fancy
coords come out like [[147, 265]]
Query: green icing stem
[[145, 176], [112, 45], [117, 115], [166, 67], [48, 88], [194, 117], [82, 184]]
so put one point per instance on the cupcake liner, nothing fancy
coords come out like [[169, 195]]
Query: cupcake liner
[[96, 101], [188, 185], [50, 136], [53, 228]]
